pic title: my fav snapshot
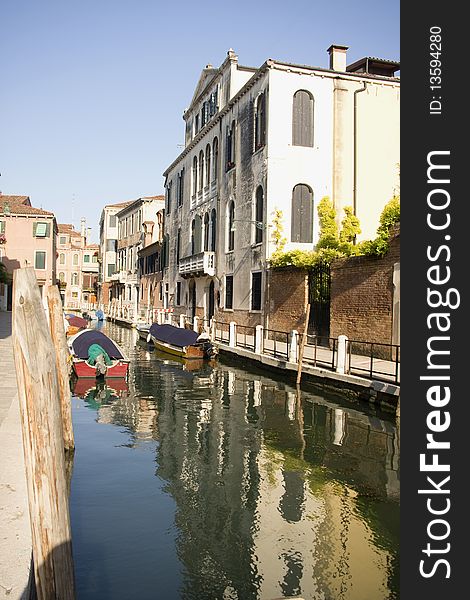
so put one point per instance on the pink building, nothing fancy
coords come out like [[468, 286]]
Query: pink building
[[27, 238], [77, 267]]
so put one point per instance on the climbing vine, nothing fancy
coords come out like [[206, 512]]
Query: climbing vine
[[334, 243]]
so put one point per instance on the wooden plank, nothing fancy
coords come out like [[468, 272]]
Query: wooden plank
[[62, 356], [41, 418]]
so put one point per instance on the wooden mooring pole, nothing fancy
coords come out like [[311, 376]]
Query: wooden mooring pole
[[302, 345], [62, 354], [41, 418]]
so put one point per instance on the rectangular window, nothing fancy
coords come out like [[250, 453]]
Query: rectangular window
[[256, 290], [94, 258], [2, 226], [41, 229], [62, 240], [39, 260], [229, 291], [86, 258], [111, 269], [111, 245], [178, 293], [112, 220]]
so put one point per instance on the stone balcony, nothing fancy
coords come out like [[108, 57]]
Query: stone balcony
[[202, 263]]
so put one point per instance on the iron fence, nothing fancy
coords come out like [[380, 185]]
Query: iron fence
[[245, 337], [276, 343]]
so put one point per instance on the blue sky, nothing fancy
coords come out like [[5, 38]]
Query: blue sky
[[93, 91]]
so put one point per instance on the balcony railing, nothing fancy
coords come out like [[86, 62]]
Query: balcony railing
[[202, 263]]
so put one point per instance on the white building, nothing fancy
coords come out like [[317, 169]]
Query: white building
[[108, 249], [134, 221], [276, 138]]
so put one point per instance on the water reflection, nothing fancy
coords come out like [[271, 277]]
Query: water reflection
[[275, 493]]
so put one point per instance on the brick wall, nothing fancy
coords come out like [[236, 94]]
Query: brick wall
[[362, 296], [287, 299]]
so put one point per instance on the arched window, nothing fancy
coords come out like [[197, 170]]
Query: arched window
[[194, 175], [62, 258], [260, 122], [215, 155], [213, 229], [231, 226], [178, 246], [302, 119], [208, 164], [74, 278], [259, 207], [230, 147], [302, 214], [193, 231], [201, 170], [75, 259], [206, 232], [196, 230], [61, 277]]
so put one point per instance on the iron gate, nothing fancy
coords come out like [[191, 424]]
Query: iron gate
[[319, 283]]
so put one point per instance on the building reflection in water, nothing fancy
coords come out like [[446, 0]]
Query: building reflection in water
[[276, 494]]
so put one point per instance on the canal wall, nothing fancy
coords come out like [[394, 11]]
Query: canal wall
[[384, 395]]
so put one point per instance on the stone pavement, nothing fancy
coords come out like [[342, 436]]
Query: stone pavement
[[15, 531]]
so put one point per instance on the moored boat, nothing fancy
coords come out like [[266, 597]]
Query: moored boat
[[143, 329], [181, 342], [94, 354]]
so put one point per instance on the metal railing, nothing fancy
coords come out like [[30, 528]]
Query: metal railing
[[276, 343], [376, 360], [245, 337], [320, 351], [222, 332]]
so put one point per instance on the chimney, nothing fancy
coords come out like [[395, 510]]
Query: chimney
[[337, 57], [83, 232]]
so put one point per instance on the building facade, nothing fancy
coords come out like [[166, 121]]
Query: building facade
[[263, 147], [108, 250], [27, 238], [77, 267], [134, 222], [153, 301]]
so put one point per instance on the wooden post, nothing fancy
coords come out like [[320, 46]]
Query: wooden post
[[302, 345], [62, 355], [41, 419]]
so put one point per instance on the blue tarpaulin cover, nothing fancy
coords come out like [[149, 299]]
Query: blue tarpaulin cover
[[88, 337], [177, 336]]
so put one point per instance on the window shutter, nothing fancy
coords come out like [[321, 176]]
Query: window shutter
[[306, 218], [302, 119], [197, 234], [302, 214], [48, 230], [35, 225]]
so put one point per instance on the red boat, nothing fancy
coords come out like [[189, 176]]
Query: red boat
[[79, 346]]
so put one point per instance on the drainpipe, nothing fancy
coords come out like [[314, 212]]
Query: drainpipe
[[363, 89]]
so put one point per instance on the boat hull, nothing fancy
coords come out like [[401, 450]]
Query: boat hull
[[192, 352], [83, 370]]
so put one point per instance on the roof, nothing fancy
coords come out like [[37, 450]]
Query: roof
[[119, 204], [129, 204], [21, 205], [374, 66], [67, 228]]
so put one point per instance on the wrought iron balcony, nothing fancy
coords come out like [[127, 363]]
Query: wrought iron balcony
[[202, 263]]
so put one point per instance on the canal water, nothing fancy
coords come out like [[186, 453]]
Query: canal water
[[209, 481]]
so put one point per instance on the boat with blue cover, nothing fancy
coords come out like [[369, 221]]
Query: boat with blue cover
[[182, 342]]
